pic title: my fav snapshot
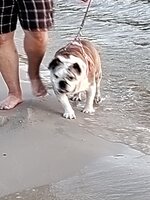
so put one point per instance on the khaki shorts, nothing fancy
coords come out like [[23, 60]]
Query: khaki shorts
[[32, 14]]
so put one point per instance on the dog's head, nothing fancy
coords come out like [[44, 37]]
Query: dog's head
[[66, 73]]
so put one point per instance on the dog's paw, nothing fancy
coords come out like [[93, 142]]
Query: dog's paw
[[97, 100], [88, 110], [76, 97], [69, 115]]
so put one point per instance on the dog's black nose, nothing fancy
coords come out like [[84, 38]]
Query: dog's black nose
[[62, 84]]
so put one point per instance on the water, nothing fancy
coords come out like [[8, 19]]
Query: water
[[121, 32], [119, 177], [116, 182]]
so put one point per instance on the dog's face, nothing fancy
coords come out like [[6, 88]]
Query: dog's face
[[65, 74]]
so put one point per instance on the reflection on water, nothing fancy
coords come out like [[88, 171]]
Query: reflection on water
[[121, 31]]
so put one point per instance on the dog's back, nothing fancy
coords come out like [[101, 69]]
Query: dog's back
[[85, 50], [93, 58]]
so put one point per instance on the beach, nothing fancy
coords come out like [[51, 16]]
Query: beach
[[40, 152], [102, 156]]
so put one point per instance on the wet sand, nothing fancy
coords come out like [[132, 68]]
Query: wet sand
[[40, 151]]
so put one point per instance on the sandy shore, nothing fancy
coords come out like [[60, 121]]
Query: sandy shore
[[39, 148]]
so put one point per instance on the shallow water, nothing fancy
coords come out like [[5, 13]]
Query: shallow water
[[119, 177], [121, 31]]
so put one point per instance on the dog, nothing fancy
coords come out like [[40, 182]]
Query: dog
[[76, 68]]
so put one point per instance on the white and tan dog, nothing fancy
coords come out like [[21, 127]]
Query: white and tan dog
[[76, 68]]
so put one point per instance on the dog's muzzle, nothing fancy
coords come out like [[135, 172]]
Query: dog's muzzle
[[62, 86]]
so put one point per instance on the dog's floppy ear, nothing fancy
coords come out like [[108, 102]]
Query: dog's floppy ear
[[55, 62], [77, 68]]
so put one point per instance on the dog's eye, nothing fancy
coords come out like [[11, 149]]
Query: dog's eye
[[55, 76], [70, 78]]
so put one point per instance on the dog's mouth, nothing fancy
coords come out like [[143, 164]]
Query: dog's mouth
[[63, 91], [62, 87]]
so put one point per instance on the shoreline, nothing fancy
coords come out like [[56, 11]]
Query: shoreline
[[38, 147]]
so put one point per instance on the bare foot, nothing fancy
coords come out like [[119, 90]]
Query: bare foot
[[10, 102], [38, 87]]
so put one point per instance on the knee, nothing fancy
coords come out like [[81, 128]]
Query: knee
[[36, 38], [6, 38]]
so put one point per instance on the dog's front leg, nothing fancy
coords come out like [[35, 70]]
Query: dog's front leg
[[68, 111], [76, 97], [90, 94]]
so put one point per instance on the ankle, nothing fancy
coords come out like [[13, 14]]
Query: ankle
[[33, 77], [17, 94]]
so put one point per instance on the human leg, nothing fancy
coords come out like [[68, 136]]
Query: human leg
[[8, 54], [35, 43], [9, 70], [35, 23]]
